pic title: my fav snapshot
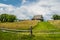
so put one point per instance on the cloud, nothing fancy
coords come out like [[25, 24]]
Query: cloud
[[6, 8], [23, 1], [9, 9], [44, 7], [27, 10]]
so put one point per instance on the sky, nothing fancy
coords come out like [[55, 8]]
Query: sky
[[26, 9]]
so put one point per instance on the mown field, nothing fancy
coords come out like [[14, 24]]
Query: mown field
[[46, 26], [37, 30]]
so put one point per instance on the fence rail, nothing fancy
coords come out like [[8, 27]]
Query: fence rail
[[15, 30], [30, 30]]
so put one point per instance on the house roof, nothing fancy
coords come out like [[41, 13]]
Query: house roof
[[37, 17]]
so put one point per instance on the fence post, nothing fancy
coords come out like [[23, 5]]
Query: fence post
[[31, 31]]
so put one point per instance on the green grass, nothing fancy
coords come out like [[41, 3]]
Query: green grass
[[48, 37], [13, 36], [41, 26], [7, 36], [17, 36], [56, 23], [44, 26]]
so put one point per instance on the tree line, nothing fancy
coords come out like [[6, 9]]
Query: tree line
[[7, 18], [56, 17], [12, 18]]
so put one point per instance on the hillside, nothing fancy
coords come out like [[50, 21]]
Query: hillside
[[56, 23], [46, 26], [19, 25], [41, 27]]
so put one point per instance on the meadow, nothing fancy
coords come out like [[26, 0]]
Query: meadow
[[39, 30], [56, 23], [19, 25]]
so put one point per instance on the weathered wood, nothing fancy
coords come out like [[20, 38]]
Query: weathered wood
[[15, 30], [31, 30]]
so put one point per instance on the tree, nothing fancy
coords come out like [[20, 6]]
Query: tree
[[56, 17], [12, 18], [7, 18]]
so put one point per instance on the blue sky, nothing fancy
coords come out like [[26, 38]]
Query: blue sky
[[26, 9], [11, 2], [16, 2]]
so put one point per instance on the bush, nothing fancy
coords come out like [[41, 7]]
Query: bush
[[56, 17]]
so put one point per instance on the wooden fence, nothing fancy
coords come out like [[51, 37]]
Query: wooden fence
[[30, 31], [15, 30]]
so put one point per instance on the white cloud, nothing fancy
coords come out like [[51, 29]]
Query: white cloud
[[6, 8], [23, 1], [41, 7]]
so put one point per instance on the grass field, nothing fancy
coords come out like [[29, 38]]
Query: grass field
[[46, 26], [14, 36], [19, 25], [41, 26], [56, 23]]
